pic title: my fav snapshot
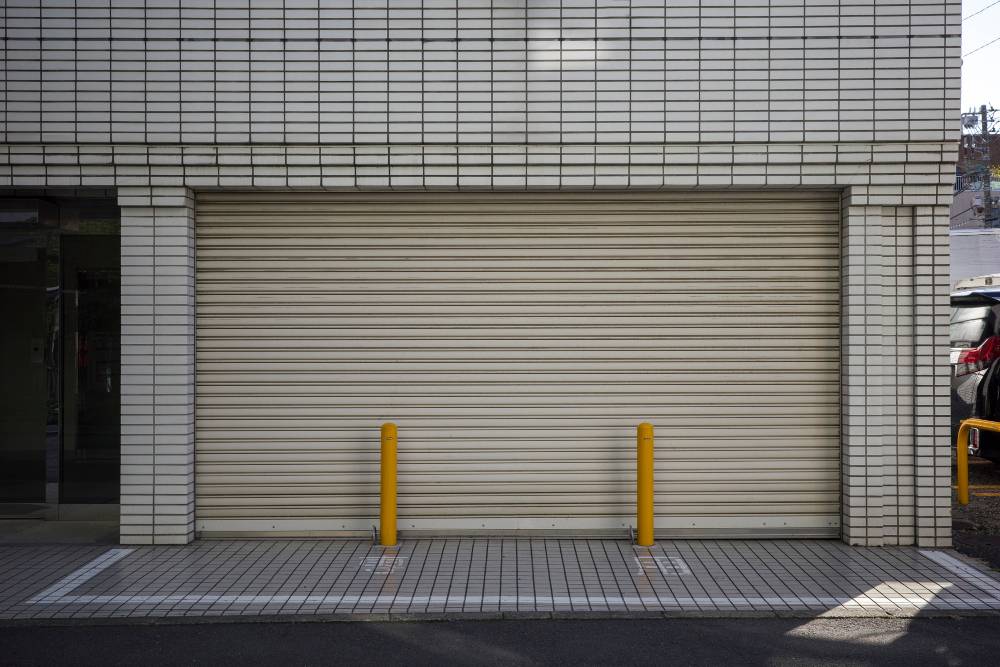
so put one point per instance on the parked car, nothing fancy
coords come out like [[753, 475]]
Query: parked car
[[975, 363]]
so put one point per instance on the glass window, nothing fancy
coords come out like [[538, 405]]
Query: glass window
[[969, 326], [60, 357], [963, 314]]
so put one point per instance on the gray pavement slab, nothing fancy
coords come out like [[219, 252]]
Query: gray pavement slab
[[455, 576]]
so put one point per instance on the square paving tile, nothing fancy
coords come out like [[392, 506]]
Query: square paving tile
[[482, 575]]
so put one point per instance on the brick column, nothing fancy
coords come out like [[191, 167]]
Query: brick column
[[157, 471], [932, 386], [861, 372], [897, 378]]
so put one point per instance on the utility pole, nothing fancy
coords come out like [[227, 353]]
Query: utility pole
[[988, 177]]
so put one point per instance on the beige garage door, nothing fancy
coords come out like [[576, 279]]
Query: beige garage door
[[517, 341]]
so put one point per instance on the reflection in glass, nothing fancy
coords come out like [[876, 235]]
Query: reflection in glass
[[60, 322], [24, 379], [92, 357]]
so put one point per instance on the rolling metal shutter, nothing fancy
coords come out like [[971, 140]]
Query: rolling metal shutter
[[517, 341]]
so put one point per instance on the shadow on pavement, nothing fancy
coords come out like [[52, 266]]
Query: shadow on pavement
[[36, 531], [976, 526], [771, 642]]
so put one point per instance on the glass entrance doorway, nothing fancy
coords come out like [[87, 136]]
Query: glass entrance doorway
[[60, 353]]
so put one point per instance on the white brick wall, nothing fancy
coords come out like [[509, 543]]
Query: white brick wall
[[478, 72], [160, 100]]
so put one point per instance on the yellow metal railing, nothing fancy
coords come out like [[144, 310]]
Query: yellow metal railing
[[962, 447]]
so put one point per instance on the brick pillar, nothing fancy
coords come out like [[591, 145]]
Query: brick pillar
[[897, 376], [157, 472], [932, 386], [861, 373]]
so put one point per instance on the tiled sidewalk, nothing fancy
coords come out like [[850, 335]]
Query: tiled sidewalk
[[256, 577]]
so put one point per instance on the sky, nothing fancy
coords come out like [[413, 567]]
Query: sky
[[980, 74]]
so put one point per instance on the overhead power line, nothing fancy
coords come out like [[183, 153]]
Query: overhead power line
[[980, 48], [982, 10]]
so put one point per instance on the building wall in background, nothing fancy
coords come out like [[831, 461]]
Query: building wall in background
[[974, 253]]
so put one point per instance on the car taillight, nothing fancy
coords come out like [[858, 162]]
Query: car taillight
[[977, 359]]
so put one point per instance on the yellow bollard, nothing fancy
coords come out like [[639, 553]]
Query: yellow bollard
[[387, 509], [644, 486], [962, 450]]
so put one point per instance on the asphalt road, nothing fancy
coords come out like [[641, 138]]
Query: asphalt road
[[853, 642]]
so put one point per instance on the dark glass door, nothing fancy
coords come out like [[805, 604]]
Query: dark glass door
[[91, 442], [60, 353], [23, 366]]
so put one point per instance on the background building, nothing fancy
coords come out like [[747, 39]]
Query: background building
[[975, 238], [517, 230]]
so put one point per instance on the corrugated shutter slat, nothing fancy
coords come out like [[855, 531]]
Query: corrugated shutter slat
[[517, 341]]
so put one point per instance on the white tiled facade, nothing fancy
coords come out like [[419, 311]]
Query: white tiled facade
[[161, 100]]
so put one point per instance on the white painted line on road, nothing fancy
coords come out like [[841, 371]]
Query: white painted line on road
[[965, 572], [453, 600], [883, 598], [55, 592]]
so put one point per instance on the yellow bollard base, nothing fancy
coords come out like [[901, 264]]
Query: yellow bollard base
[[640, 546]]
